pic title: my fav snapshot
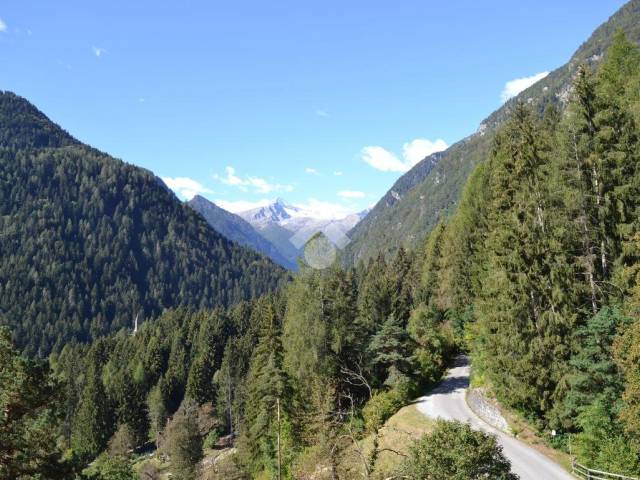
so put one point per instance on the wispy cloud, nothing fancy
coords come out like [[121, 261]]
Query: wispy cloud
[[98, 51], [412, 152], [258, 184], [517, 85], [185, 187], [324, 210], [337, 173], [322, 112], [3, 26], [311, 171], [351, 194]]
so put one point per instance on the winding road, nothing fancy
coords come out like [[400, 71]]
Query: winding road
[[447, 401]]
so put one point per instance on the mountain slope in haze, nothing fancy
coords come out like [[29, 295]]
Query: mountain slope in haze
[[289, 227], [236, 229], [88, 242], [418, 201]]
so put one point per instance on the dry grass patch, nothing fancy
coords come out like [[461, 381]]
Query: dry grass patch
[[395, 438]]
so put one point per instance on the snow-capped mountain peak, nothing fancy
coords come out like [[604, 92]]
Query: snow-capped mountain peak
[[276, 211]]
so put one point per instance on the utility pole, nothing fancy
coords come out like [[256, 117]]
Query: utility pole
[[279, 461]]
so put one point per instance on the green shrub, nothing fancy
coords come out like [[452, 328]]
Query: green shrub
[[383, 405], [211, 439], [453, 451]]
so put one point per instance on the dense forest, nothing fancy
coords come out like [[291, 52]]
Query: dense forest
[[540, 264], [337, 352], [535, 276], [89, 243]]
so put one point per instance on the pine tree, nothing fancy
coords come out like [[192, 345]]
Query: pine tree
[[93, 424], [182, 441], [267, 441], [29, 402], [157, 411], [401, 285], [525, 316], [431, 259], [200, 380], [391, 351], [594, 373]]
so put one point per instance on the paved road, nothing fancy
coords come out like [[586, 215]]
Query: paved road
[[447, 401]]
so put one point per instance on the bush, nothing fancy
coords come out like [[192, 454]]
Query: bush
[[383, 405], [453, 451], [211, 439], [113, 468]]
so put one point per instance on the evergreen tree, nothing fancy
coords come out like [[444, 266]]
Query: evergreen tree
[[182, 441], [391, 351], [267, 435], [200, 380], [401, 286], [93, 424], [157, 411], [29, 406], [594, 374], [524, 312]]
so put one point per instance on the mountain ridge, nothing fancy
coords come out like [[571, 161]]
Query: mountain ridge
[[237, 229], [431, 197], [288, 227], [89, 242]]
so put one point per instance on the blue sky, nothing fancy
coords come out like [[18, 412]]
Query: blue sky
[[321, 103]]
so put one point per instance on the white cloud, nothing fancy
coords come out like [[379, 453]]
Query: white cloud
[[312, 208], [3, 26], [311, 171], [185, 187], [350, 194], [241, 205], [259, 185], [322, 112], [514, 87], [231, 178], [412, 152], [337, 173], [97, 51], [324, 210], [420, 148], [382, 159]]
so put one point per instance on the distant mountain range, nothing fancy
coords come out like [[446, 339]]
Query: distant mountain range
[[430, 191], [236, 229], [279, 229]]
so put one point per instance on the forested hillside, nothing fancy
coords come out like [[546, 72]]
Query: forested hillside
[[540, 264], [89, 242], [536, 275], [338, 351], [404, 219]]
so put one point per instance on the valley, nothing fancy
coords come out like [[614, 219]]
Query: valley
[[156, 326]]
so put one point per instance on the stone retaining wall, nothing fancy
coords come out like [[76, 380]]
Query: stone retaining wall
[[486, 409]]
